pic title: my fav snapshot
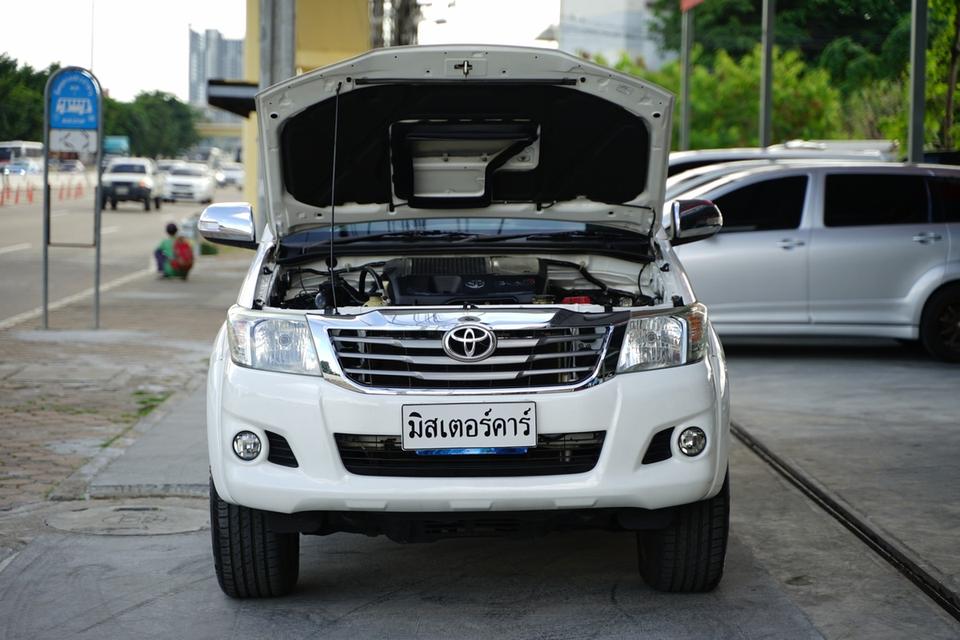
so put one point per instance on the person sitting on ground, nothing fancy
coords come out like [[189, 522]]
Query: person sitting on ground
[[174, 255]]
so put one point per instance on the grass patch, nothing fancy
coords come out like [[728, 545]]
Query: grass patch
[[147, 401]]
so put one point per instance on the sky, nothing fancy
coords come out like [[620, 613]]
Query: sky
[[143, 45], [138, 45]]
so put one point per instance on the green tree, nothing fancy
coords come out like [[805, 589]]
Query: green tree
[[157, 123], [165, 126], [856, 40], [21, 99], [881, 108], [724, 98]]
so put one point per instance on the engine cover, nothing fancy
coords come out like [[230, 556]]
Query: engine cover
[[464, 280]]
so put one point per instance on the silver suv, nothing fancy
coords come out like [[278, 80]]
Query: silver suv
[[840, 249]]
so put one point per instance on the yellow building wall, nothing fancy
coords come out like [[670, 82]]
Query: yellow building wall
[[327, 31]]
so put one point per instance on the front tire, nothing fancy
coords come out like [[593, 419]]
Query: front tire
[[251, 560], [146, 203], [687, 556], [157, 202], [940, 324]]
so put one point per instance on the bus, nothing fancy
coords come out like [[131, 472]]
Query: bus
[[13, 150]]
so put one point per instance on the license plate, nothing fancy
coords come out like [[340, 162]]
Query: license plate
[[122, 191], [469, 426]]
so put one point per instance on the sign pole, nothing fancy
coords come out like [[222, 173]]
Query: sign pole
[[72, 121], [97, 207], [46, 202]]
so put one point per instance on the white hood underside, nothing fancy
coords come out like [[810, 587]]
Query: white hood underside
[[450, 177]]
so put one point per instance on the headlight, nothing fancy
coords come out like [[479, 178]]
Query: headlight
[[271, 343], [664, 340]]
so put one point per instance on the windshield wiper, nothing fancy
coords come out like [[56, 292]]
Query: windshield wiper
[[558, 236], [408, 235]]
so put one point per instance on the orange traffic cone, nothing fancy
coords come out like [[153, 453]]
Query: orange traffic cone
[[30, 194], [16, 195]]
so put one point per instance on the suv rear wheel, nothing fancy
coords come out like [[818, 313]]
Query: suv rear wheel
[[251, 560], [687, 556], [940, 324]]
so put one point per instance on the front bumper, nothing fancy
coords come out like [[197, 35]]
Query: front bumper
[[124, 194], [307, 411]]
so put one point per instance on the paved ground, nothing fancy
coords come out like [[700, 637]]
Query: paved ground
[[876, 424], [67, 394], [792, 571]]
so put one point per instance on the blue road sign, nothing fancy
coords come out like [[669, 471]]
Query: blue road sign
[[73, 100]]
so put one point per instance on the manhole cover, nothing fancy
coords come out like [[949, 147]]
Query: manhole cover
[[130, 520]]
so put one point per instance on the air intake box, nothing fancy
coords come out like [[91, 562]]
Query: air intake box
[[460, 280]]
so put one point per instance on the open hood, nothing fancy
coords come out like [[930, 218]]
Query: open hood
[[465, 130]]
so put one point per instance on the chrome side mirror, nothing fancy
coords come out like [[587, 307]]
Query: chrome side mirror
[[229, 223], [694, 220]]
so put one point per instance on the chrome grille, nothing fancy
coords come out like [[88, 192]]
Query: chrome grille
[[414, 359]]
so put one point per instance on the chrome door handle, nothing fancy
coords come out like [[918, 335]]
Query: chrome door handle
[[927, 237], [788, 243]]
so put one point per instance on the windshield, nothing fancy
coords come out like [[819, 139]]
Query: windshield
[[187, 171], [450, 229], [6, 153], [128, 168]]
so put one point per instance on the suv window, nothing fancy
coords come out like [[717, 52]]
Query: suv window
[[764, 206], [946, 199], [874, 199]]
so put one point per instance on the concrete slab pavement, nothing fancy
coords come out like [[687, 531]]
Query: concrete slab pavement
[[792, 572], [877, 425], [565, 586]]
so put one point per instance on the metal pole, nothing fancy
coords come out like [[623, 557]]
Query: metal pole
[[97, 206], [918, 64], [766, 73], [686, 44], [46, 201]]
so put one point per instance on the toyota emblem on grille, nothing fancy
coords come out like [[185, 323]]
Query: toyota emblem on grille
[[469, 342]]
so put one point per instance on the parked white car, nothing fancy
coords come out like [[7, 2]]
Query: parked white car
[[488, 341], [858, 150], [233, 174], [834, 249], [190, 181], [135, 179]]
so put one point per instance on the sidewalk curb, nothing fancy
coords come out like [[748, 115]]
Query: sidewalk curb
[[77, 485]]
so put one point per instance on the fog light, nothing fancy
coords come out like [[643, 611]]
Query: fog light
[[692, 441], [246, 445]]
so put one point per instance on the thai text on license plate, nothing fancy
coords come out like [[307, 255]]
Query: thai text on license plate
[[464, 426]]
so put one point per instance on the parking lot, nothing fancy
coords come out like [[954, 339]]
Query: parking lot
[[793, 570]]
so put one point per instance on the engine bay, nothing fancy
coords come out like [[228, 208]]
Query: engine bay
[[459, 281]]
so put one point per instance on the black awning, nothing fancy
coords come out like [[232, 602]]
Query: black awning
[[234, 96]]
